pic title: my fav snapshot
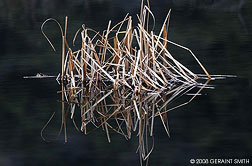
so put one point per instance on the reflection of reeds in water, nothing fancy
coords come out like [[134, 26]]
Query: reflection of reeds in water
[[124, 111], [123, 78]]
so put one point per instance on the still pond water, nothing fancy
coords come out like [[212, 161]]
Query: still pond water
[[216, 124]]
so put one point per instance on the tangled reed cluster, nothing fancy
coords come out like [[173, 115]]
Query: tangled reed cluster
[[123, 78]]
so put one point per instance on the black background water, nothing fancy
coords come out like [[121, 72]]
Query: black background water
[[215, 125]]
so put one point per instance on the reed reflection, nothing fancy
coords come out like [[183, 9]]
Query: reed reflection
[[126, 112]]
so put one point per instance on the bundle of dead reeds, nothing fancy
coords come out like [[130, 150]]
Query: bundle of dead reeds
[[124, 77]]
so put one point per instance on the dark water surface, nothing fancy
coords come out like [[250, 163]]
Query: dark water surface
[[215, 125]]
